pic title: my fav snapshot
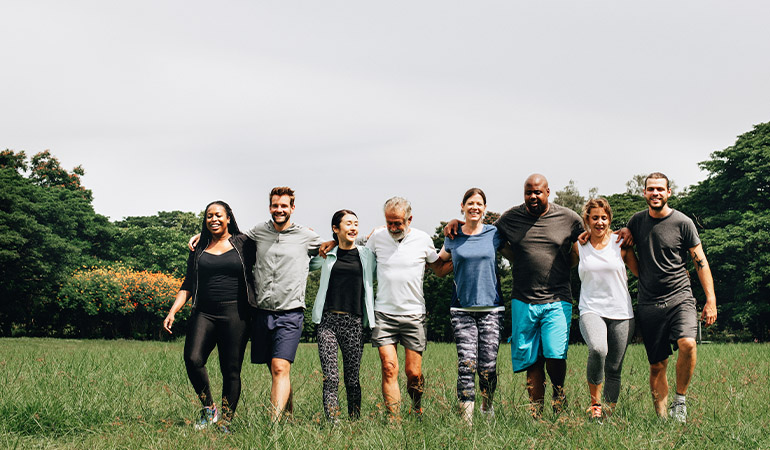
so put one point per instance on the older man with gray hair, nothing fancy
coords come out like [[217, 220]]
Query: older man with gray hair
[[399, 307]]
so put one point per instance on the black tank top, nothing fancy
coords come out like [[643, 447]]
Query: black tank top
[[346, 284], [220, 277]]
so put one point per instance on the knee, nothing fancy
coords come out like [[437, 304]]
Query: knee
[[280, 368], [466, 367], [657, 368], [389, 370], [598, 352], [192, 361], [686, 345], [413, 374]]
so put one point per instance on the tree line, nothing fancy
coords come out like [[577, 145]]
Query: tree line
[[67, 271]]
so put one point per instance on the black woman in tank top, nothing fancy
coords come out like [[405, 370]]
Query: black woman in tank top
[[220, 281]]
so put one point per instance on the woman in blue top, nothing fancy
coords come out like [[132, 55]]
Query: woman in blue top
[[343, 306], [476, 311]]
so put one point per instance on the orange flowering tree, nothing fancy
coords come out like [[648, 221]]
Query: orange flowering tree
[[117, 301]]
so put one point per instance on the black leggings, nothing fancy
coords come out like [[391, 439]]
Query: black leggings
[[219, 324]]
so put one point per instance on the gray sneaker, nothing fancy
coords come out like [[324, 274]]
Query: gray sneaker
[[209, 416], [678, 412]]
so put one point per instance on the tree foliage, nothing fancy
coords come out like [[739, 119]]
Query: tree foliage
[[47, 228], [570, 197], [732, 205]]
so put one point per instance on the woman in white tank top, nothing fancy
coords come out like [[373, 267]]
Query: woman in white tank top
[[606, 314]]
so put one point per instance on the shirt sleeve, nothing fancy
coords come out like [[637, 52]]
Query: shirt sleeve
[[690, 236], [430, 253], [314, 242], [252, 233], [448, 244]]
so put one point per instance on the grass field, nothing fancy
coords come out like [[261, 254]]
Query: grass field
[[130, 394]]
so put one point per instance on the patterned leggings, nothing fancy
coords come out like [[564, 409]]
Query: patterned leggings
[[347, 331], [477, 335]]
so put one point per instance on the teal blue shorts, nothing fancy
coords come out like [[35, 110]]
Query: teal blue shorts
[[539, 330]]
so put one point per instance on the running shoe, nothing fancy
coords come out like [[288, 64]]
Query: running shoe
[[595, 412], [209, 415], [678, 412]]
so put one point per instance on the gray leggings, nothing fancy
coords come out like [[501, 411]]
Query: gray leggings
[[607, 340]]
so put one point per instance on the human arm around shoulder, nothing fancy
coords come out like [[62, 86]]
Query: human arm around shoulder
[[441, 267], [625, 238], [193, 242], [703, 270], [450, 229], [629, 257]]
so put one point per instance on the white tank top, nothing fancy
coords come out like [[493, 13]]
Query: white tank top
[[604, 283]]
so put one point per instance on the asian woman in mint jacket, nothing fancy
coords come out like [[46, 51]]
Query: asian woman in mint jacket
[[343, 306]]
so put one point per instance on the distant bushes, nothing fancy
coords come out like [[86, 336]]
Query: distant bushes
[[117, 302]]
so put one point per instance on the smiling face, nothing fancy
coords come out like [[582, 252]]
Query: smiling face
[[397, 223], [347, 231], [656, 193], [217, 219], [598, 222], [474, 208], [536, 194], [281, 208]]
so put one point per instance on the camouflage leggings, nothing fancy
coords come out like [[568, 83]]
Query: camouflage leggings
[[477, 335]]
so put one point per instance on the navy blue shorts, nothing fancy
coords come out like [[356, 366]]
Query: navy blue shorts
[[275, 334]]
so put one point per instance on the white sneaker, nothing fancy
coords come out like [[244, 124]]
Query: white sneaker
[[678, 412]]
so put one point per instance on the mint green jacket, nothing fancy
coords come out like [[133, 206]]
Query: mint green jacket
[[369, 268]]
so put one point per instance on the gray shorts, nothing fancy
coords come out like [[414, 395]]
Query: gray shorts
[[410, 330], [663, 323]]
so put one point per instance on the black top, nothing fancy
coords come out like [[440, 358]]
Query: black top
[[220, 277], [346, 284]]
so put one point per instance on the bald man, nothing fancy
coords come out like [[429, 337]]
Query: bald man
[[539, 237]]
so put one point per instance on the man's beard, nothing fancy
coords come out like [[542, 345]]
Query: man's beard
[[281, 218], [400, 235]]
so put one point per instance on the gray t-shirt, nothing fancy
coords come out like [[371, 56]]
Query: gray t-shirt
[[541, 252], [663, 246]]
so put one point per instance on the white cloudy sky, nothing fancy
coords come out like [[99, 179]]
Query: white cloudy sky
[[171, 104]]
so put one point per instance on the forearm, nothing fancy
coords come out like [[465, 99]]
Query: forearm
[[179, 301]]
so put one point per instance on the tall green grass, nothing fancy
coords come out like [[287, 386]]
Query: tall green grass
[[130, 394]]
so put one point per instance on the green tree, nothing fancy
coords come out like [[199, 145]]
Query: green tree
[[732, 206], [156, 243], [47, 228], [570, 197]]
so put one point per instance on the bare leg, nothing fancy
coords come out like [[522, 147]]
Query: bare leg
[[659, 387], [595, 390], [415, 382], [536, 387], [280, 392], [685, 364], [390, 392]]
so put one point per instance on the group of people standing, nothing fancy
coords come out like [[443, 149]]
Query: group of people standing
[[254, 283]]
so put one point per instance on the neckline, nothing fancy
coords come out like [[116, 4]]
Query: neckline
[[218, 254]]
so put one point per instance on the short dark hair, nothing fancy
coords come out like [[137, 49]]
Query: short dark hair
[[473, 191], [337, 219], [232, 226], [656, 176], [281, 191]]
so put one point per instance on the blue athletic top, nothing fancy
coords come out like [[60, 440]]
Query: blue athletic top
[[475, 270]]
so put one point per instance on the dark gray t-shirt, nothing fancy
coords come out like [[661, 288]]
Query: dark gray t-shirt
[[541, 252], [663, 246]]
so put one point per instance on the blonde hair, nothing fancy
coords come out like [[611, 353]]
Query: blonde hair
[[599, 202]]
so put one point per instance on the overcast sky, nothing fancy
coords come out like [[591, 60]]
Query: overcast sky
[[171, 104]]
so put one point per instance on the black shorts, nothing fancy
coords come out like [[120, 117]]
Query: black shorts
[[663, 323], [275, 334]]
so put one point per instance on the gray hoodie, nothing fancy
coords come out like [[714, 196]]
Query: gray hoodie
[[282, 265]]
